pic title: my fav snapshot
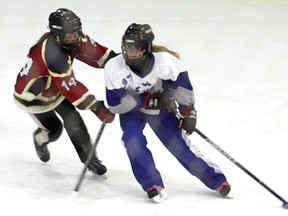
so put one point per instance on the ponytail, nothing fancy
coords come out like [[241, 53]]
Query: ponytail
[[158, 48]]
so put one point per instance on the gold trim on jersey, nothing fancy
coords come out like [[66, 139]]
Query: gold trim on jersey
[[27, 95], [56, 74], [39, 104], [83, 99]]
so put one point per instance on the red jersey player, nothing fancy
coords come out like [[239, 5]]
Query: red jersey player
[[46, 85]]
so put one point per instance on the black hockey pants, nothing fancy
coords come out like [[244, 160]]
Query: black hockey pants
[[73, 124]]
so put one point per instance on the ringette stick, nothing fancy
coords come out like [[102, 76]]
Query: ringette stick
[[92, 152], [285, 203]]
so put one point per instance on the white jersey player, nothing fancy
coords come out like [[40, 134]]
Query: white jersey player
[[146, 84]]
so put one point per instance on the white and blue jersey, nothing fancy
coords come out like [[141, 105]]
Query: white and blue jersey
[[125, 93], [123, 86]]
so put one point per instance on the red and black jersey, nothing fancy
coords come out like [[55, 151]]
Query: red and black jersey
[[48, 77]]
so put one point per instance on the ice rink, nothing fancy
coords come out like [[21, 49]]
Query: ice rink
[[236, 53]]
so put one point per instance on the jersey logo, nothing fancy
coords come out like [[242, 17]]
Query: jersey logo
[[143, 87], [146, 84]]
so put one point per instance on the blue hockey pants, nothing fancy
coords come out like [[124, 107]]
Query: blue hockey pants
[[165, 126]]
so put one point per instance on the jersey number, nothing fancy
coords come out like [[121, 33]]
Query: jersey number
[[26, 69], [72, 82]]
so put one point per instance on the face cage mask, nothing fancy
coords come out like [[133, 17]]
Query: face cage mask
[[133, 61], [60, 39]]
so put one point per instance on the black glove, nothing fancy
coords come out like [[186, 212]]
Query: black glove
[[102, 112], [188, 122], [157, 100]]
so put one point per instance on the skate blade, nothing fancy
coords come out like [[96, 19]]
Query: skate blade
[[100, 177], [160, 197]]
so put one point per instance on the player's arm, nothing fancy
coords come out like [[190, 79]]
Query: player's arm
[[93, 53], [184, 96], [60, 69]]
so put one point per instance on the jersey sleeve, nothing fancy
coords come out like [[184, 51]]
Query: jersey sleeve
[[179, 82], [58, 62], [183, 90], [93, 53]]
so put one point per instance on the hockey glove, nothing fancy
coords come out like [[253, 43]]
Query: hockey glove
[[157, 100], [188, 122], [102, 112]]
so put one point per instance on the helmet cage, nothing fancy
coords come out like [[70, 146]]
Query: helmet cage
[[126, 46]]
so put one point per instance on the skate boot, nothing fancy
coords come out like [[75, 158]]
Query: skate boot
[[224, 189], [41, 139], [156, 193], [97, 167]]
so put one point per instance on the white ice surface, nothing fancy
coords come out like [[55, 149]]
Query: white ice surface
[[236, 53]]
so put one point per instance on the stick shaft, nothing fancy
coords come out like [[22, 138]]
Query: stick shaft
[[90, 156], [239, 165]]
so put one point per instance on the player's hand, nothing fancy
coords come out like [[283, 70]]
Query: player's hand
[[102, 112], [189, 120], [157, 100]]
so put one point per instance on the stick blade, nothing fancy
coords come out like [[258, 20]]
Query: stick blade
[[285, 205]]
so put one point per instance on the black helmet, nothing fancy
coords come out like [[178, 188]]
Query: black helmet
[[137, 36], [64, 21]]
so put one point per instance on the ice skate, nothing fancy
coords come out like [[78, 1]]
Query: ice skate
[[224, 189], [40, 143], [156, 193], [96, 167]]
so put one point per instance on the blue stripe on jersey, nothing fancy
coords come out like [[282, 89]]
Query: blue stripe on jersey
[[57, 59], [182, 81], [114, 96]]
